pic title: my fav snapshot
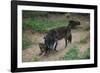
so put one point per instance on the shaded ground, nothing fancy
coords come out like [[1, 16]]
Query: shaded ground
[[77, 34]]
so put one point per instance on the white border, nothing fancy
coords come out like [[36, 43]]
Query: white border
[[53, 63]]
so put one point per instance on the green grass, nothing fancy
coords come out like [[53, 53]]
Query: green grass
[[74, 54], [43, 25], [35, 58], [71, 54], [86, 54]]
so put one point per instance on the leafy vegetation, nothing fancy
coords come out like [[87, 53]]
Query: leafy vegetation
[[42, 26], [73, 54]]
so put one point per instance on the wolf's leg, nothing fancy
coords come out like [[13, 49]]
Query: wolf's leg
[[55, 46], [70, 38], [66, 41]]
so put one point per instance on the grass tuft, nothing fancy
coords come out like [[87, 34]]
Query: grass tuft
[[35, 58], [71, 54]]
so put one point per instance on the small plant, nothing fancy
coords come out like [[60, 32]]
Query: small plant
[[71, 54], [35, 58], [86, 54]]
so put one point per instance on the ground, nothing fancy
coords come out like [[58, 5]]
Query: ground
[[77, 34]]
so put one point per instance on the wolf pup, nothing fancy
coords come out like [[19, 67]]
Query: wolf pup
[[43, 49]]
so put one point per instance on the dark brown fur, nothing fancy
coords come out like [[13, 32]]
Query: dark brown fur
[[56, 34]]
